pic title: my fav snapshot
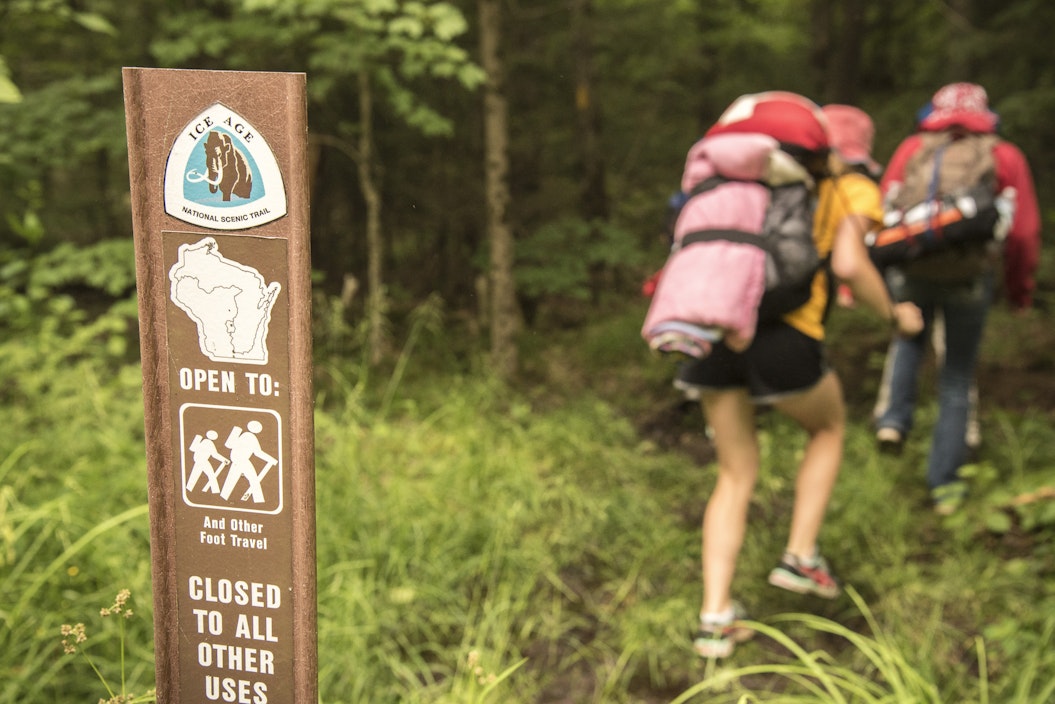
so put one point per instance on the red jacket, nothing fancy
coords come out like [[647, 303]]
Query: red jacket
[[1022, 247]]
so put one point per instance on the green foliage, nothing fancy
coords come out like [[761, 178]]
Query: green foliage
[[63, 137], [58, 564], [75, 636], [27, 225], [54, 12], [1014, 498], [396, 44], [482, 543], [660, 72], [544, 564], [65, 121], [38, 299], [883, 674], [73, 520], [235, 41], [562, 257], [62, 12], [9, 92]]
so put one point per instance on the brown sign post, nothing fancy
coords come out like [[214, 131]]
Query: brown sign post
[[218, 174]]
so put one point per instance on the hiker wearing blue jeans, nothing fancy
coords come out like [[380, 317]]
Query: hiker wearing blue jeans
[[959, 283], [964, 306]]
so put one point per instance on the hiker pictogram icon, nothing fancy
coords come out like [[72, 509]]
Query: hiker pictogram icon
[[242, 475], [245, 447], [205, 452]]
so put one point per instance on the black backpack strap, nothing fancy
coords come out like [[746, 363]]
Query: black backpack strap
[[738, 236], [713, 182], [729, 235], [707, 184]]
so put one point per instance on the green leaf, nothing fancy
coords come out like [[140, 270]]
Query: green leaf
[[407, 26], [9, 92], [95, 23], [448, 22], [997, 522]]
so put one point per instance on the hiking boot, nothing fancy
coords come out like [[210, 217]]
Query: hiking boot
[[948, 498], [802, 577], [890, 441], [717, 640]]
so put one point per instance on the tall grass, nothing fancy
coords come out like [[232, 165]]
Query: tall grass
[[882, 672], [874, 670], [479, 526], [479, 542], [73, 530]]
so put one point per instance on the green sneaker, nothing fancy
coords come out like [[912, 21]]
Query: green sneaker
[[948, 498], [717, 640]]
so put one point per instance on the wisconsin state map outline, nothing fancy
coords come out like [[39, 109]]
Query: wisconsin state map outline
[[229, 302]]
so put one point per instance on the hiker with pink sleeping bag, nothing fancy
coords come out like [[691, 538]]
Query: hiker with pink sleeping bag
[[747, 221], [764, 143]]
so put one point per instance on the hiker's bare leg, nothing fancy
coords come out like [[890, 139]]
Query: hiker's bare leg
[[731, 415], [821, 412]]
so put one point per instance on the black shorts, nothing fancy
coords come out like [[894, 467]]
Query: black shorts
[[780, 361]]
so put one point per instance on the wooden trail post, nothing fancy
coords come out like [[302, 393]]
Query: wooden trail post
[[217, 163]]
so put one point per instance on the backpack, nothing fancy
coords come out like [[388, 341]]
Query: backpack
[[743, 249], [940, 221]]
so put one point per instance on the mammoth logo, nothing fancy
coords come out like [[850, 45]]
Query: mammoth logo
[[222, 174], [227, 169]]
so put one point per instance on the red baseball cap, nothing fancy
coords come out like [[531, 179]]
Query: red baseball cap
[[787, 117]]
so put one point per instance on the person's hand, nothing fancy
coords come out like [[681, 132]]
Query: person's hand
[[908, 319], [844, 296]]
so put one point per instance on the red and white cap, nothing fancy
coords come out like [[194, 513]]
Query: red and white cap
[[964, 105], [787, 117]]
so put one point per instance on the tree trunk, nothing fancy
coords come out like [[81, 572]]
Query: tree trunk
[[505, 317], [593, 198], [708, 23], [376, 302], [846, 68], [821, 30], [962, 37], [837, 32]]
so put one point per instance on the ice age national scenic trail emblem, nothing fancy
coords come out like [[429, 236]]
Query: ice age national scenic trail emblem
[[222, 174]]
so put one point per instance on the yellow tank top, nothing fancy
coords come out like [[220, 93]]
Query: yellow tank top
[[849, 194]]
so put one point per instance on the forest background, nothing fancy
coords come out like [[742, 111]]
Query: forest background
[[478, 248]]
